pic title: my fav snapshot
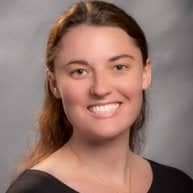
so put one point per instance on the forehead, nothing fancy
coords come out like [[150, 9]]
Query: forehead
[[95, 43]]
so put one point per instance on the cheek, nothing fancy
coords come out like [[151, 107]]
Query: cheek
[[71, 94], [131, 90], [131, 86], [132, 94]]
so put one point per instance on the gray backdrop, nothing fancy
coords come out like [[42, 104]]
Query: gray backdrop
[[24, 27]]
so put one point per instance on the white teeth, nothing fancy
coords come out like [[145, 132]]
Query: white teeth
[[104, 108]]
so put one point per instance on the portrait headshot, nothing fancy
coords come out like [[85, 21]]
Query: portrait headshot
[[96, 96]]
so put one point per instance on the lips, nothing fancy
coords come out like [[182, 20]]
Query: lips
[[104, 110]]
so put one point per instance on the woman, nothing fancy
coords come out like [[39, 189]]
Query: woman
[[98, 70]]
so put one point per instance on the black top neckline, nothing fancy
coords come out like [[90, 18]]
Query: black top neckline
[[60, 183]]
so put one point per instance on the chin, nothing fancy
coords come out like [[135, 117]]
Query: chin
[[106, 134]]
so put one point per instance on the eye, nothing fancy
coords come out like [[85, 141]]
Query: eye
[[78, 72], [120, 67]]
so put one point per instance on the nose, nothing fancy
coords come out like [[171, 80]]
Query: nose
[[101, 86]]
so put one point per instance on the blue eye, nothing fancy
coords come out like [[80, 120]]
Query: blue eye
[[120, 67]]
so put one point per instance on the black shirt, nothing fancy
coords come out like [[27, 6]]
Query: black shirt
[[166, 179]]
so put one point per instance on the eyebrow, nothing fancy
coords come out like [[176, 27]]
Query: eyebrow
[[112, 59]]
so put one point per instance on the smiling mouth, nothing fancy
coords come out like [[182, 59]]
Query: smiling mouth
[[104, 111]]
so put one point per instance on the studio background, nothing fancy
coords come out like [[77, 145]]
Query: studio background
[[168, 24]]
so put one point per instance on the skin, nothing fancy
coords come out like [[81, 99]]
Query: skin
[[92, 78]]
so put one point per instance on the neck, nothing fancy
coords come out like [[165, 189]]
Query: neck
[[110, 160]]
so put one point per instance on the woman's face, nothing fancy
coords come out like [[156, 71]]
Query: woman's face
[[99, 76]]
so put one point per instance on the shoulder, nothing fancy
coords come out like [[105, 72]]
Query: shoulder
[[171, 178], [26, 182], [34, 181]]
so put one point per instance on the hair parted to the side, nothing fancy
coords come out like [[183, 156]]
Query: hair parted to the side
[[54, 128]]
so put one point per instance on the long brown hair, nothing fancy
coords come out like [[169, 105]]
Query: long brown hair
[[54, 128]]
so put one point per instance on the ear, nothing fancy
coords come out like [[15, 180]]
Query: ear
[[147, 74], [52, 84]]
